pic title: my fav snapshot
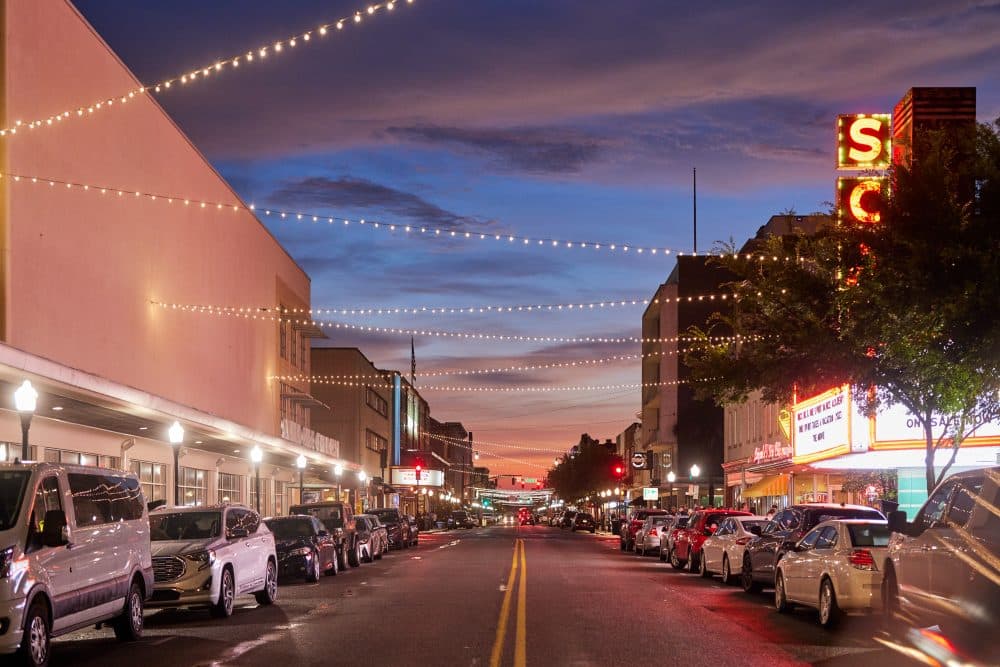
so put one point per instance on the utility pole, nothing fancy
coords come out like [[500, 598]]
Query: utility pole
[[694, 193]]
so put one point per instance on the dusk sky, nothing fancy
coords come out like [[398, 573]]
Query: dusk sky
[[569, 119]]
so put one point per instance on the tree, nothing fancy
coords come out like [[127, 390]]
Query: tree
[[589, 469], [904, 309]]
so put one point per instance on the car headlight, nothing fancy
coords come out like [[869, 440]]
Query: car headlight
[[301, 551], [203, 559]]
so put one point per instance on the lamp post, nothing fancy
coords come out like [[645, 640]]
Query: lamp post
[[176, 436], [695, 471], [363, 477], [338, 470], [256, 455], [301, 464], [671, 477], [25, 400]]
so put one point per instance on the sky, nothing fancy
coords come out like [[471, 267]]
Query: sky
[[574, 120]]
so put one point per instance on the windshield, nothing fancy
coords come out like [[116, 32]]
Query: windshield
[[386, 516], [332, 517], [185, 526], [681, 522], [869, 534], [290, 529], [12, 486], [845, 513]]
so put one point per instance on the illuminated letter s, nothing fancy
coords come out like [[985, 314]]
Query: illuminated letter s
[[864, 132]]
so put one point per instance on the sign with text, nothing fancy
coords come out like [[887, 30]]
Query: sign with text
[[310, 439], [650, 493], [859, 199], [897, 424], [864, 141], [408, 477], [822, 422], [772, 452]]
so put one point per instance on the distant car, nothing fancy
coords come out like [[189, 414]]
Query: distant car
[[701, 525], [460, 519], [725, 547], [525, 518], [555, 519], [207, 556], [943, 568], [647, 538], [338, 517], [369, 543], [414, 529], [396, 525], [761, 555], [668, 533], [304, 546], [584, 521], [834, 569], [631, 527], [567, 519]]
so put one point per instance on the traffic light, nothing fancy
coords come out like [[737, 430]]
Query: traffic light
[[619, 471], [419, 467]]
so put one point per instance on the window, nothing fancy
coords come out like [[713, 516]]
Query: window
[[230, 488], [303, 356], [376, 402], [964, 501], [725, 529], [280, 500], [293, 348], [933, 510], [283, 334], [12, 450], [152, 478], [99, 499], [193, 485], [827, 538], [809, 541], [240, 518], [47, 498], [375, 442], [80, 458], [787, 520], [265, 488]]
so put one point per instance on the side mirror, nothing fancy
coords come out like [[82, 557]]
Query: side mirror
[[800, 547], [237, 534], [755, 530], [899, 524], [55, 532]]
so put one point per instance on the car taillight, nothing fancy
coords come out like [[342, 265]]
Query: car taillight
[[862, 559], [654, 532], [743, 541]]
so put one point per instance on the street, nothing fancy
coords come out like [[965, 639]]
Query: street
[[582, 602]]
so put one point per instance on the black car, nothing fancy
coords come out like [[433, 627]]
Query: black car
[[396, 525], [584, 521], [414, 529], [761, 556], [460, 519], [567, 519], [304, 547]]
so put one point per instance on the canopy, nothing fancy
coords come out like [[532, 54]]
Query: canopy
[[773, 485]]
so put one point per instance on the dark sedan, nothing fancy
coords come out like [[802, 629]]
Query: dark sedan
[[761, 556], [584, 521], [397, 526], [304, 547]]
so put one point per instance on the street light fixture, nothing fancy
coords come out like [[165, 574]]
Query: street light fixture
[[301, 464], [671, 478], [338, 470], [176, 436], [256, 455], [695, 470], [25, 400]]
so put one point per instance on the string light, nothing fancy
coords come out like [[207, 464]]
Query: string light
[[516, 389], [459, 442], [268, 316], [196, 74], [493, 454], [411, 231]]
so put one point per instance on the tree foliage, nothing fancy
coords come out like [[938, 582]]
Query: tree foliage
[[590, 468], [904, 310]]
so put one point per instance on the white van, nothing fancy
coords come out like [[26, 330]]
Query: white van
[[74, 551]]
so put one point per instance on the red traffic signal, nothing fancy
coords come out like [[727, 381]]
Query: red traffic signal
[[619, 470], [419, 468]]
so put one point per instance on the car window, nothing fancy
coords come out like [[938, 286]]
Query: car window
[[47, 498], [725, 528], [241, 518], [183, 526], [747, 525], [809, 541], [868, 535], [786, 520], [933, 510], [289, 529], [964, 500], [827, 538]]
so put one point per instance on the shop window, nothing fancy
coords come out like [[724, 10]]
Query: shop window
[[80, 458], [280, 498], [193, 485], [265, 495], [230, 488], [152, 478], [12, 450]]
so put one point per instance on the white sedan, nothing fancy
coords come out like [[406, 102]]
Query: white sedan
[[833, 568], [725, 547]]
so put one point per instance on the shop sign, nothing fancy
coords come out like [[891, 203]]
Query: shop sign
[[310, 439], [897, 424], [408, 477], [864, 141], [638, 460], [771, 452], [822, 422], [650, 493], [859, 199]]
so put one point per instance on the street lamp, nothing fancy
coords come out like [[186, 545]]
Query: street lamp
[[25, 400], [176, 436], [301, 464], [695, 470], [338, 470], [671, 477], [256, 455]]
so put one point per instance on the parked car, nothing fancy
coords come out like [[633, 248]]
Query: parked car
[[668, 533], [942, 568], [783, 531], [567, 519], [414, 529], [555, 519], [338, 517], [629, 528], [304, 546], [380, 535], [686, 550], [396, 525], [207, 556], [647, 538], [584, 521], [725, 547], [834, 569], [101, 513], [368, 542]]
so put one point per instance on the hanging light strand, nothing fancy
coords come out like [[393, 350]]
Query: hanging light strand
[[410, 231], [476, 444], [520, 389], [208, 71]]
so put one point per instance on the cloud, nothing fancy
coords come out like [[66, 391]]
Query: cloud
[[529, 149]]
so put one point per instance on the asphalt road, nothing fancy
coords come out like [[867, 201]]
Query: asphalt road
[[571, 599]]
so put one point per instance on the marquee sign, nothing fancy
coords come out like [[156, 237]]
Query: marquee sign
[[408, 477], [859, 199], [822, 424], [864, 141]]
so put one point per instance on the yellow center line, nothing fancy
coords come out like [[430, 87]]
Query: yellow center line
[[497, 652], [520, 641]]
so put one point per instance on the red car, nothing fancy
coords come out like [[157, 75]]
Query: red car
[[687, 543], [627, 538]]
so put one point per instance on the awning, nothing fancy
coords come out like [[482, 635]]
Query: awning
[[775, 485], [307, 400]]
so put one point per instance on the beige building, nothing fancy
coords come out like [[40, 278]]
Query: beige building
[[86, 267]]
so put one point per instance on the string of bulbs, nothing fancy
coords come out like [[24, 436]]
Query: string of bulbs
[[495, 455], [512, 240], [204, 72], [520, 389], [464, 443]]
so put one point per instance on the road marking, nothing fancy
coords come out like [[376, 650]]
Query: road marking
[[497, 652], [520, 639]]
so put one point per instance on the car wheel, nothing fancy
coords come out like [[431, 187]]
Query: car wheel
[[128, 626], [703, 568], [676, 562], [781, 602], [727, 574], [269, 593], [312, 576], [621, 544], [746, 577], [890, 602], [366, 554], [692, 563], [378, 554], [223, 607], [342, 558], [34, 649], [406, 544], [829, 612], [354, 556], [640, 550], [334, 565], [663, 556]]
